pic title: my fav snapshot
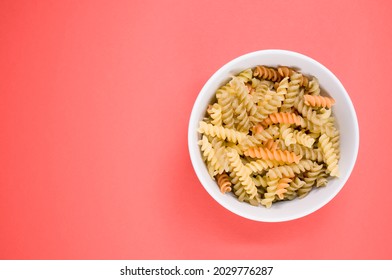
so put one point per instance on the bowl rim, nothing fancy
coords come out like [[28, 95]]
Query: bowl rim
[[193, 152]]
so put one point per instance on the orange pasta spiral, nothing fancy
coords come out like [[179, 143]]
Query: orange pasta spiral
[[278, 155], [282, 117], [223, 182], [266, 73], [319, 101]]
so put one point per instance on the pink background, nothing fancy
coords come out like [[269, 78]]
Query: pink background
[[95, 102]]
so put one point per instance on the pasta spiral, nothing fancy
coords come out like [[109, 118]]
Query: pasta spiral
[[310, 179], [294, 185], [282, 117], [287, 134], [258, 166], [319, 101], [281, 90], [260, 181], [221, 132], [266, 73], [303, 152], [241, 193], [246, 75], [242, 173], [209, 154], [303, 139], [220, 152], [215, 112], [330, 156], [313, 87], [267, 154], [292, 92], [225, 98], [290, 170], [223, 182], [270, 195], [242, 92], [244, 123]]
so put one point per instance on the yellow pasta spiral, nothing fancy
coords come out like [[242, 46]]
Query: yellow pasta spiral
[[278, 155], [290, 170], [311, 176], [303, 139], [243, 123], [242, 92], [245, 75], [210, 156], [319, 101], [242, 173], [310, 179], [270, 195], [258, 166], [221, 132], [240, 192], [313, 87], [281, 90], [287, 134], [215, 112], [225, 98], [295, 184], [330, 156], [260, 181], [304, 152]]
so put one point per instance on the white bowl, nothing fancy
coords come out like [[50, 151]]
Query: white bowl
[[346, 121]]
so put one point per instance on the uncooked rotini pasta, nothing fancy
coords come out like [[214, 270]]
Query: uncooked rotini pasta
[[273, 154], [330, 156], [270, 136], [282, 117], [221, 132], [313, 87], [266, 73], [224, 183], [293, 91], [287, 134], [215, 112], [290, 170], [242, 172], [319, 101]]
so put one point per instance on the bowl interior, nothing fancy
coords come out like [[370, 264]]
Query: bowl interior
[[346, 122]]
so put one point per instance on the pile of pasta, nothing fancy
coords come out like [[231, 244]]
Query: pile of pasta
[[270, 136]]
